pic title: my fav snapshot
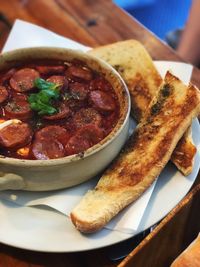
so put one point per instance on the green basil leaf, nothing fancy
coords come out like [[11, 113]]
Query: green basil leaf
[[42, 101], [52, 93], [45, 85]]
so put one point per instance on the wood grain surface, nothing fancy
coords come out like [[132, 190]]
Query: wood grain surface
[[92, 23], [173, 235]]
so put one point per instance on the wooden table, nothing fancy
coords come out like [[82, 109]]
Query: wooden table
[[92, 23]]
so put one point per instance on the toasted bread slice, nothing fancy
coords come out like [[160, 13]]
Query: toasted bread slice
[[136, 67], [190, 257], [143, 158], [183, 154]]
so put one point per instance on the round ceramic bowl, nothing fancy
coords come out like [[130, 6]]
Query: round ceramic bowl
[[43, 175]]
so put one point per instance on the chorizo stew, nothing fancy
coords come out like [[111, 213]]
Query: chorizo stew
[[62, 108]]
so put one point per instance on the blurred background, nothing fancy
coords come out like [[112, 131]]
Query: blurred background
[[165, 18]]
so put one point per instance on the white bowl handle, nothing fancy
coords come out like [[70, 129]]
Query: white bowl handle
[[11, 181]]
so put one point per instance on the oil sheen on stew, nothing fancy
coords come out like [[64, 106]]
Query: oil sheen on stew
[[62, 108]]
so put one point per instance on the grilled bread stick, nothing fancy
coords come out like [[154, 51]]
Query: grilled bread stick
[[143, 157]]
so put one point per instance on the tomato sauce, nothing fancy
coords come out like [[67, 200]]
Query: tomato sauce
[[64, 108]]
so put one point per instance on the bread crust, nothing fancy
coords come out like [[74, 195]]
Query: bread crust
[[144, 156], [183, 154], [190, 257], [136, 67]]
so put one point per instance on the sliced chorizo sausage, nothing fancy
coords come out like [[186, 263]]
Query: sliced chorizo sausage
[[92, 133], [50, 69], [23, 79], [79, 91], [3, 94], [87, 116], [18, 107], [82, 73], [43, 149], [63, 112], [109, 122], [102, 101], [59, 80], [53, 132], [8, 75], [76, 145], [100, 84], [84, 138], [15, 135], [75, 105]]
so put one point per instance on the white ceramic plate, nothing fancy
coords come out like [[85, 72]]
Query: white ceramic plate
[[45, 230]]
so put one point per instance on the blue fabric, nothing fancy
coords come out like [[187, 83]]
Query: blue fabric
[[131, 4], [159, 16]]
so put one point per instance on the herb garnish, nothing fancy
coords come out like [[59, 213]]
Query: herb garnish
[[165, 92], [42, 101]]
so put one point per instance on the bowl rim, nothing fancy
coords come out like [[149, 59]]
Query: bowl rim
[[97, 147]]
